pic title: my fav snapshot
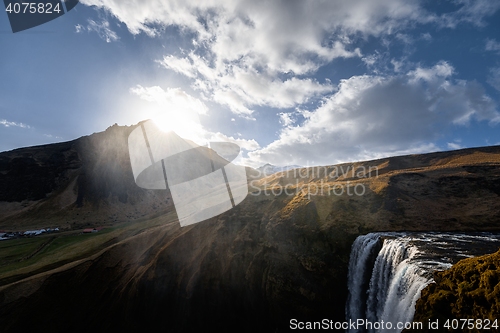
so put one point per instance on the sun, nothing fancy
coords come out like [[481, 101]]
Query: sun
[[184, 123]]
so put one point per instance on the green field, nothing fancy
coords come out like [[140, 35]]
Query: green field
[[21, 258], [16, 250]]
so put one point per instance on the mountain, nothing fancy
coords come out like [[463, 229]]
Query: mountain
[[280, 254], [84, 182]]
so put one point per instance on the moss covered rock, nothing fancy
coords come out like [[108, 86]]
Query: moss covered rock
[[470, 289]]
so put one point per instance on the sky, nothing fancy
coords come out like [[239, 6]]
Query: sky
[[304, 82]]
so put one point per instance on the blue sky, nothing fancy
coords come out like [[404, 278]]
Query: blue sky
[[292, 82]]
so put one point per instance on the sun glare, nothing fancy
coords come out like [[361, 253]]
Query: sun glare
[[173, 110], [185, 124]]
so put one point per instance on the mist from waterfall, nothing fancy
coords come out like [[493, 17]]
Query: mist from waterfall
[[387, 272]]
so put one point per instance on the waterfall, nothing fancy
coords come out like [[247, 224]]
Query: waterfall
[[387, 272], [364, 249], [395, 284]]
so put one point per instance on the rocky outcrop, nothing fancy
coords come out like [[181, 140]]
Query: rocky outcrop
[[470, 289], [32, 173]]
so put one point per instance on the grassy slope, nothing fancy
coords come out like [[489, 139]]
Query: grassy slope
[[21, 258]]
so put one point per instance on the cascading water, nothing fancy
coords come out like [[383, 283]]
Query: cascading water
[[387, 272]]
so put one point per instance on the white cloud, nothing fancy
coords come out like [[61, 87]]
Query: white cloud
[[268, 23], [398, 65], [241, 48], [370, 60], [247, 54], [7, 123], [426, 36], [454, 145], [286, 119], [471, 12], [181, 65], [243, 143], [141, 16], [242, 88], [492, 45], [102, 29], [50, 136], [252, 53], [374, 116], [174, 98], [404, 38], [494, 78], [434, 74], [259, 24]]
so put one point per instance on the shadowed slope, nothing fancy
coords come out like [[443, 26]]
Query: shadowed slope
[[84, 182]]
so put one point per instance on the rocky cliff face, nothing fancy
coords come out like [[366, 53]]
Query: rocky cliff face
[[277, 256], [469, 290]]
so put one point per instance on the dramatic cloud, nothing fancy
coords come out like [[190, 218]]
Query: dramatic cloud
[[276, 56], [241, 88], [273, 21], [252, 53], [374, 116]]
